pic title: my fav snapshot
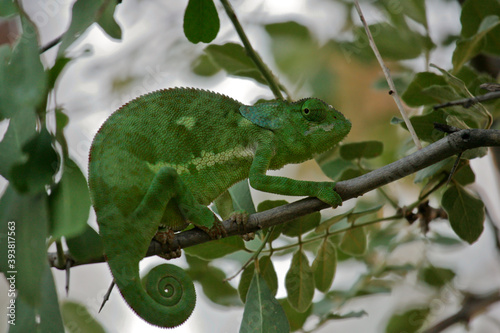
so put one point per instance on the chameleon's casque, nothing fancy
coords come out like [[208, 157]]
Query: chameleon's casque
[[163, 157]]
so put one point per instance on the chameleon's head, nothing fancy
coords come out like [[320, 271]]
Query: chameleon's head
[[321, 125]]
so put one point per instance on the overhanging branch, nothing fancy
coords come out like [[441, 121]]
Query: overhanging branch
[[452, 144]]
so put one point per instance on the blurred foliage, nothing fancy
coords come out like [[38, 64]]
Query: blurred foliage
[[47, 201]]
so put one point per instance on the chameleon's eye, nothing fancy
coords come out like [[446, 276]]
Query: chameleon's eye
[[314, 110]]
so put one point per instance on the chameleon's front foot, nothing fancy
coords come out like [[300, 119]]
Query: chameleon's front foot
[[166, 236], [241, 219], [328, 195]]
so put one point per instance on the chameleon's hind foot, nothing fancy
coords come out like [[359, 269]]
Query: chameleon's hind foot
[[241, 219], [166, 237], [217, 231]]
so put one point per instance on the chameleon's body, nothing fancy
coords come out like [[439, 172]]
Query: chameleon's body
[[163, 157]]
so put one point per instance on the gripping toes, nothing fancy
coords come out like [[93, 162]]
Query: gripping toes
[[328, 195]]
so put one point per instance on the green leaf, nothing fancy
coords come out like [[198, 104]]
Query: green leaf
[[24, 219], [42, 317], [325, 225], [106, 20], [413, 95], [212, 280], [365, 149], [434, 169], [83, 14], [56, 70], [354, 242], [241, 196], [204, 66], [85, 246], [21, 129], [37, 172], [217, 248], [473, 14], [262, 311], [77, 318], [408, 322], [465, 212], [358, 214], [301, 225], [201, 21], [468, 48], [464, 175], [7, 8], [234, 60], [23, 81], [69, 202], [299, 282], [333, 169], [415, 9], [267, 271], [324, 265], [295, 319], [436, 276], [424, 125]]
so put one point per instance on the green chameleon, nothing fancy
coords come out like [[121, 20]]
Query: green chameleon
[[159, 160]]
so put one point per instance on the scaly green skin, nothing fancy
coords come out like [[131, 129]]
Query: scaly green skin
[[162, 158]]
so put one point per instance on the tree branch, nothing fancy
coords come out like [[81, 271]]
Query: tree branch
[[472, 305], [468, 102], [452, 144]]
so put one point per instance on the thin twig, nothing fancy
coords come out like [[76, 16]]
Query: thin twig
[[468, 102], [473, 305], [450, 145], [393, 92], [265, 71]]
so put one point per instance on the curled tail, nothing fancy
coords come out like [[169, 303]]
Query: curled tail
[[166, 296]]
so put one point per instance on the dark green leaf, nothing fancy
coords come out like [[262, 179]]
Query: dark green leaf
[[468, 48], [21, 129], [69, 202], [465, 212], [241, 196], [408, 322], [201, 21], [333, 169], [56, 70], [23, 81], [7, 8], [107, 21], [217, 248], [234, 60], [266, 271], [465, 175], [365, 149], [77, 318], [473, 13], [83, 14], [299, 282], [301, 225], [424, 125], [436, 276], [42, 317], [215, 287], [413, 95], [324, 265], [85, 246], [24, 219], [37, 172], [262, 311], [204, 66]]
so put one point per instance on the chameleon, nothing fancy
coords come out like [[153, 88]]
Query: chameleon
[[159, 160]]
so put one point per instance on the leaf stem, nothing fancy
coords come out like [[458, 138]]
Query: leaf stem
[[272, 81]]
